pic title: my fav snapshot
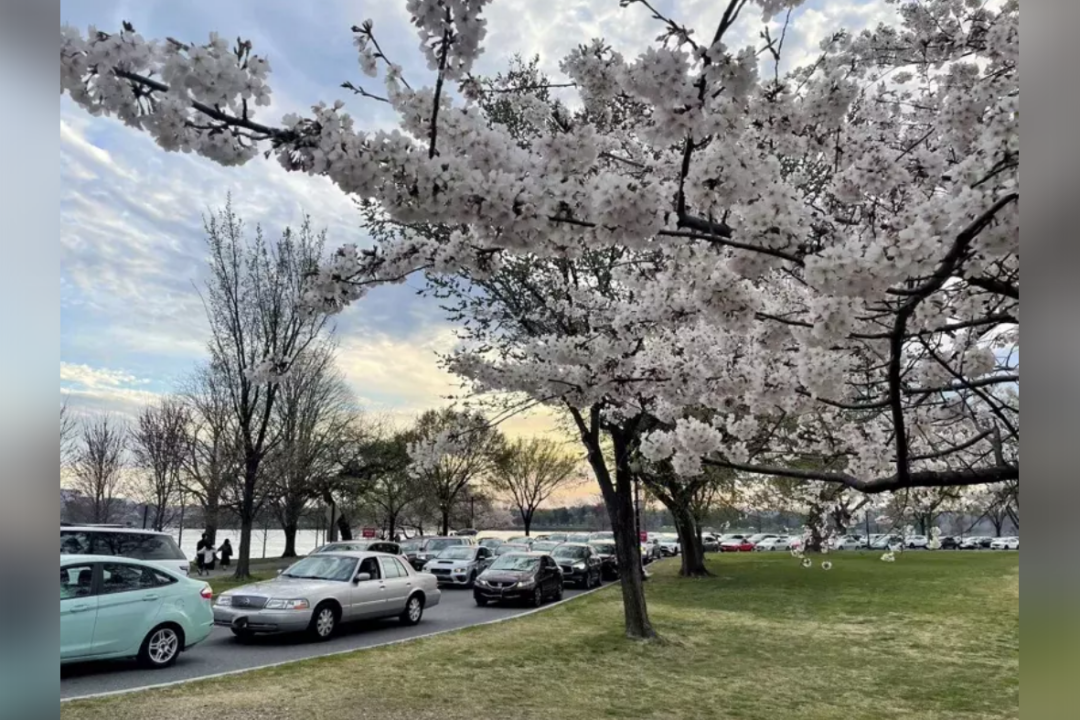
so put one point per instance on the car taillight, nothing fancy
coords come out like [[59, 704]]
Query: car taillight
[[207, 592]]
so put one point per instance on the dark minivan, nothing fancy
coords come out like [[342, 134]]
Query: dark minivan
[[157, 547]]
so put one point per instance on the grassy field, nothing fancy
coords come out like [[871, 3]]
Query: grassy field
[[934, 635]]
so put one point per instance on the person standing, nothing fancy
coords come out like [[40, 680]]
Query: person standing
[[226, 553], [200, 564], [208, 557]]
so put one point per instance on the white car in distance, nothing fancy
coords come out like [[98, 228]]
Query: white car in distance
[[1005, 543]]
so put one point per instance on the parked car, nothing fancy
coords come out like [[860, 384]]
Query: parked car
[[490, 542], [710, 543], [976, 542], [887, 542], [432, 546], [917, 542], [383, 546], [553, 537], [651, 551], [1005, 543], [545, 546], [737, 545], [580, 564], [758, 537], [851, 542], [581, 538], [609, 563], [117, 607], [157, 547], [320, 592], [669, 545], [602, 537], [772, 544], [516, 577], [506, 548], [460, 565], [522, 540], [467, 532], [948, 542]]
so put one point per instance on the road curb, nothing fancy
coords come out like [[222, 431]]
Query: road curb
[[336, 653]]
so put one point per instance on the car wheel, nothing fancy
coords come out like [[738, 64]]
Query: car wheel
[[161, 647], [480, 602], [243, 635], [414, 610], [537, 597], [323, 623]]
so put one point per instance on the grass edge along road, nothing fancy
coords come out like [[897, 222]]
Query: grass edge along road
[[932, 635]]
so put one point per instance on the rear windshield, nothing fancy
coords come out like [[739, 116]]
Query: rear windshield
[[442, 543], [140, 546], [569, 551]]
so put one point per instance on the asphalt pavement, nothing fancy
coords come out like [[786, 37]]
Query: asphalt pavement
[[223, 653]]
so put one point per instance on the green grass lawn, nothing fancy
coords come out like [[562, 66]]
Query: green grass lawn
[[934, 635]]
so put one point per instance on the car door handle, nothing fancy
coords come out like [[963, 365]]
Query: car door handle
[[150, 598], [78, 608]]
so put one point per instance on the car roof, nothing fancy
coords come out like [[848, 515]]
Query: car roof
[[573, 544], [79, 559], [99, 528], [356, 554]]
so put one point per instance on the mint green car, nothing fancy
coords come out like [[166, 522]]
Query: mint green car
[[115, 607]]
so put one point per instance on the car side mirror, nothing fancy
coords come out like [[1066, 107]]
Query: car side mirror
[[362, 577]]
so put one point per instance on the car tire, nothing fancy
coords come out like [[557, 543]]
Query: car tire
[[243, 636], [538, 597], [559, 593], [161, 647], [480, 602], [414, 611], [324, 622]]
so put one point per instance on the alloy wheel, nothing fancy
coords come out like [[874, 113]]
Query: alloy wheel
[[163, 646], [325, 622]]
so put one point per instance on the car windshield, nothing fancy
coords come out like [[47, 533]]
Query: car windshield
[[516, 562], [577, 538], [343, 547], [435, 546], [604, 548], [544, 546], [461, 552], [569, 551], [327, 567], [509, 548], [557, 537]]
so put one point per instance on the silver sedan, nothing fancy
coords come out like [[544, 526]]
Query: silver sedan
[[320, 592]]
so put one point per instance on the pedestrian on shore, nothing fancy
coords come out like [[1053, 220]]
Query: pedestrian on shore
[[200, 565], [208, 557], [226, 552]]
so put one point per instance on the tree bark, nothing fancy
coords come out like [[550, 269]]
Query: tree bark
[[526, 518], [290, 541], [693, 554], [619, 501], [445, 526], [247, 517], [343, 526]]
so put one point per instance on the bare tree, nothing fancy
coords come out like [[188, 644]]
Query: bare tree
[[212, 453], [313, 414], [531, 471], [68, 433], [158, 445], [98, 467], [258, 328], [461, 447]]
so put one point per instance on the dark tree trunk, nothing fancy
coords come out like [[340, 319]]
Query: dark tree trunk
[[445, 526], [211, 519], [343, 527], [247, 517], [814, 523], [619, 501], [526, 518], [290, 541], [693, 554]]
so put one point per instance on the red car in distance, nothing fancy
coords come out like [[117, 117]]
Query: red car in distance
[[736, 545]]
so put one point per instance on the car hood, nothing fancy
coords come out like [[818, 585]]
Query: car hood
[[505, 576], [436, 562], [286, 587]]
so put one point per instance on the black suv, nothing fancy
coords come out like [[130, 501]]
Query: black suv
[[609, 565], [519, 576], [580, 564]]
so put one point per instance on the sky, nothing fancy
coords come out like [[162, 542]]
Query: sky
[[131, 240]]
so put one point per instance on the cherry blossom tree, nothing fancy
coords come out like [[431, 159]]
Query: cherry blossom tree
[[835, 247]]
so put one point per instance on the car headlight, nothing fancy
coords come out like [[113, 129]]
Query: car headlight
[[481, 582], [459, 571], [527, 582], [223, 600], [579, 566], [287, 604]]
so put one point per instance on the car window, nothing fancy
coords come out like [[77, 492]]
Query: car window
[[121, 578], [76, 581], [484, 553], [140, 546], [371, 567], [391, 568], [74, 542]]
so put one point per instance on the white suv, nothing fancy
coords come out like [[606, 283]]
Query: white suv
[[155, 547]]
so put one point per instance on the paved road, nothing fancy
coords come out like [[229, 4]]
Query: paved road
[[221, 652]]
